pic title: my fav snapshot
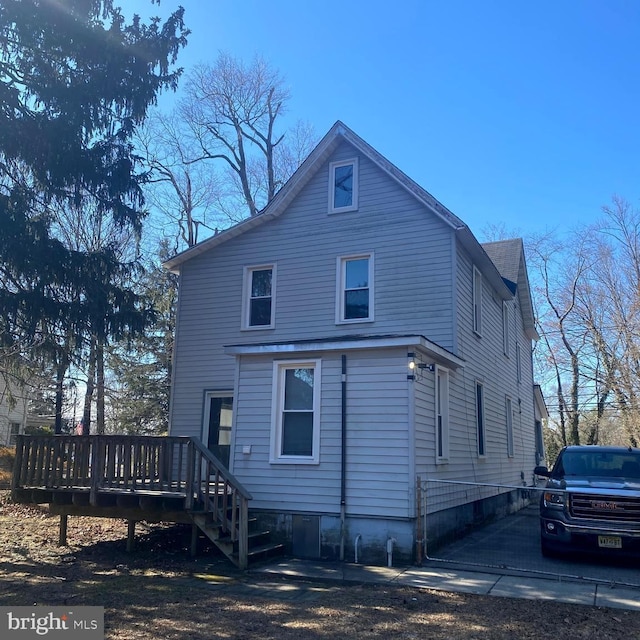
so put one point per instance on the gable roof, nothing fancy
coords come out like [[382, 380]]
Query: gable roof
[[339, 133], [508, 256]]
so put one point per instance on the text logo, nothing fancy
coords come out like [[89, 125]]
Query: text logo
[[52, 623]]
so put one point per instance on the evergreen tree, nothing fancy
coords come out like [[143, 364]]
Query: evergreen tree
[[140, 391], [75, 82]]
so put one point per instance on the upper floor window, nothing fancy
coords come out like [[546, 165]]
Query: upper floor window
[[506, 343], [295, 435], [259, 288], [355, 289], [477, 301], [343, 186]]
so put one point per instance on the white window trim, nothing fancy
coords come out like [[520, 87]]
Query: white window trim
[[246, 298], [506, 341], [279, 368], [332, 183], [442, 393], [508, 407], [15, 429], [340, 288], [480, 417], [477, 301]]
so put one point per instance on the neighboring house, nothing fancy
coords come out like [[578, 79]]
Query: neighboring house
[[13, 413], [353, 337]]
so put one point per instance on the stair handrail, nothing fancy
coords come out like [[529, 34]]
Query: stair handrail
[[224, 494], [178, 465]]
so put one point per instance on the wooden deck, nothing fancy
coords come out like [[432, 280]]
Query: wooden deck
[[151, 478]]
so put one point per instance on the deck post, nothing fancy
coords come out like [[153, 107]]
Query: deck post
[[96, 470], [243, 534], [62, 536], [194, 540], [189, 488], [131, 534], [16, 477]]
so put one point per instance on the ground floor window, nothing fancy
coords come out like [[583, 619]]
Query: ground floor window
[[14, 431], [480, 418], [442, 414], [295, 436], [509, 420]]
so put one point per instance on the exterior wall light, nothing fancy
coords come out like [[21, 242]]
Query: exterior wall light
[[416, 366]]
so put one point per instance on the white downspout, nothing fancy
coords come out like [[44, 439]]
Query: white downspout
[[355, 544]]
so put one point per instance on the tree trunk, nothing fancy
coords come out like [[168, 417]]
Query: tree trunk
[[88, 396], [61, 371], [100, 424]]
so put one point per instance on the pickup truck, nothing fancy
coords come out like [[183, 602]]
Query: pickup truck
[[591, 501]]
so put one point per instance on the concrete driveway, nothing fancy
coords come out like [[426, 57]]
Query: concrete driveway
[[513, 543]]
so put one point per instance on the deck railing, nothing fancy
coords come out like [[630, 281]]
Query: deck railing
[[179, 466]]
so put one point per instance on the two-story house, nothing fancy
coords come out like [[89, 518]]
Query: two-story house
[[351, 337]]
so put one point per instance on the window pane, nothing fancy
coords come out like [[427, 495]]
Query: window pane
[[261, 283], [356, 304], [298, 389], [356, 274], [260, 312], [343, 186], [480, 418], [297, 434]]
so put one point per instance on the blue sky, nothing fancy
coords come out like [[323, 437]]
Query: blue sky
[[516, 114]]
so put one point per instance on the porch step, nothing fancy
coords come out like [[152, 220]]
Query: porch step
[[263, 551], [258, 541]]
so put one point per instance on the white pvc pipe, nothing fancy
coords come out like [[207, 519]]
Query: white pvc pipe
[[355, 544], [390, 543]]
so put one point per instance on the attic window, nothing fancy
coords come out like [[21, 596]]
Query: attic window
[[343, 186]]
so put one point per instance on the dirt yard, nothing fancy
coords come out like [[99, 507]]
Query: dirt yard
[[159, 592]]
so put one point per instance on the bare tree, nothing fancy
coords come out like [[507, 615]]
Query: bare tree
[[179, 190], [562, 354], [232, 110], [225, 151], [610, 307], [587, 294]]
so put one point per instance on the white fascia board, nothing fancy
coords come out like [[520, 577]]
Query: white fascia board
[[418, 343]]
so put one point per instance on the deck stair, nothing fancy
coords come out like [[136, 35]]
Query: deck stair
[[154, 478]]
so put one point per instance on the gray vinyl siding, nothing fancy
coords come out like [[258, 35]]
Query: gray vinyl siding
[[486, 363], [378, 451], [412, 280], [422, 286], [425, 425]]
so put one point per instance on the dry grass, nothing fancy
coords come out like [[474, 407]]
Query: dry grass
[[7, 456], [159, 592]]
